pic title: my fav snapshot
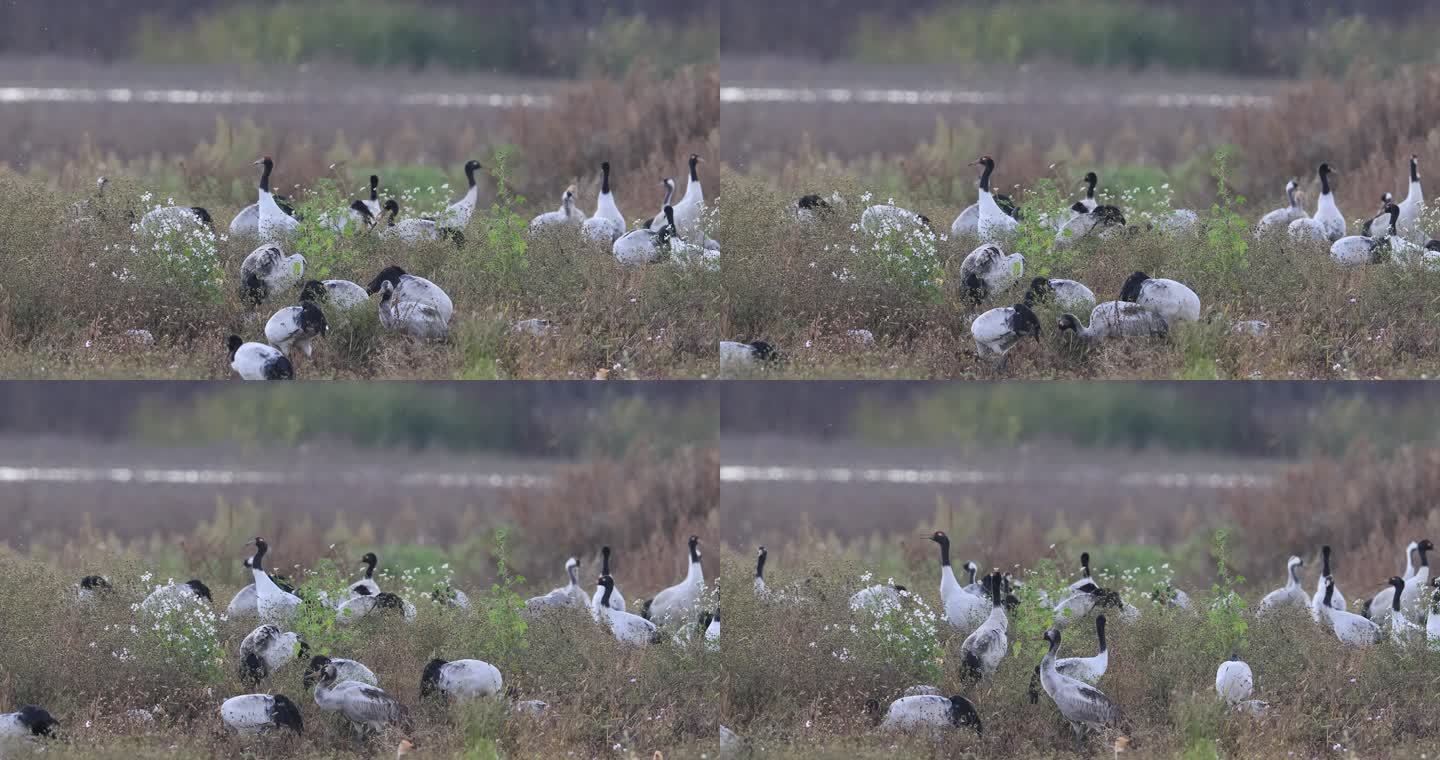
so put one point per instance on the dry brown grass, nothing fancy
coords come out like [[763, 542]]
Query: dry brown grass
[[1366, 504], [645, 126], [656, 500], [1366, 127]]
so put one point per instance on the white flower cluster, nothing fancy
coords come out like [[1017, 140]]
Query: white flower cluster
[[907, 249], [418, 202], [1147, 204], [904, 627], [416, 583], [182, 626], [186, 250]]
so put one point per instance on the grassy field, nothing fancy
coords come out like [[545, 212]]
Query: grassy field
[[91, 666], [1324, 699], [800, 665], [76, 287], [801, 287], [90, 670]]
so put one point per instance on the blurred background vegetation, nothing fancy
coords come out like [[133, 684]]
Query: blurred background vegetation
[[558, 419], [1331, 81], [1145, 476], [1243, 37], [561, 467], [1275, 419], [565, 38]]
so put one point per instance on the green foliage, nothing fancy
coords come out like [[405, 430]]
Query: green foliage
[[1225, 624], [291, 415], [425, 564], [1201, 721], [621, 424], [315, 621], [1030, 621], [500, 634], [117, 662], [502, 228], [1227, 232], [1111, 415], [354, 334], [324, 248], [1036, 237]]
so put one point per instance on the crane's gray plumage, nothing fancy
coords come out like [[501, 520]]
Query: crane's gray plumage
[[984, 648], [461, 679], [1291, 595], [360, 703], [259, 713], [345, 670], [267, 649], [1083, 705]]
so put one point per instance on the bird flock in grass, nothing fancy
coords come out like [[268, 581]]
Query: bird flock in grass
[[673, 234], [1406, 610], [349, 688], [675, 607], [1146, 307], [410, 305]]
